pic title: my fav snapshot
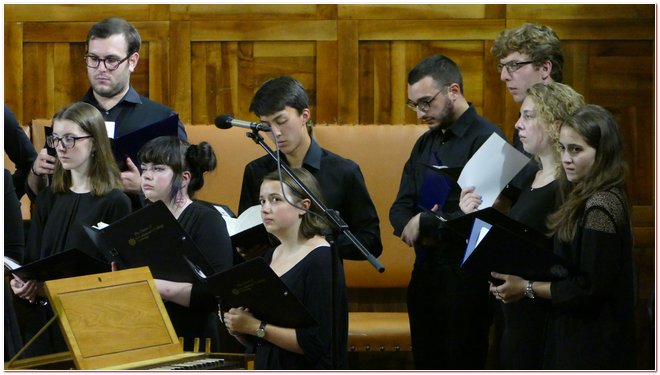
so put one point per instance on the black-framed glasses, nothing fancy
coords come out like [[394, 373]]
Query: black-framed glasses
[[423, 104], [512, 66], [111, 63], [68, 141]]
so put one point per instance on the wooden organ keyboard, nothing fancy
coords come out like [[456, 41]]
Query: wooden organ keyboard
[[185, 361], [117, 321], [197, 364]]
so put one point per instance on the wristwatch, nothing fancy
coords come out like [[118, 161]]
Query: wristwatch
[[529, 291], [261, 331]]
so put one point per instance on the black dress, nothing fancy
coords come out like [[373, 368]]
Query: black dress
[[56, 225], [208, 230], [591, 324], [310, 280], [521, 346]]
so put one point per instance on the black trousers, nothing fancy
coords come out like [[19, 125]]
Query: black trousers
[[450, 318]]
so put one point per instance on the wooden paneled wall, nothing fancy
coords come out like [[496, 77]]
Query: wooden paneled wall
[[205, 60]]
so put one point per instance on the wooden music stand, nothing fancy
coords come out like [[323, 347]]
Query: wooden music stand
[[113, 320]]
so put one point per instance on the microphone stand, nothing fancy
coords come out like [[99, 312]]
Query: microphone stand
[[338, 222], [333, 215]]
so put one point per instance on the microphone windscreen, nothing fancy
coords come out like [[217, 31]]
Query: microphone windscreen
[[223, 121]]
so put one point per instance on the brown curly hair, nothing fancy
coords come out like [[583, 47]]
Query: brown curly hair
[[539, 42]]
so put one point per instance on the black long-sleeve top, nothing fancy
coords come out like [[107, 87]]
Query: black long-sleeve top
[[14, 234], [592, 320], [20, 151], [208, 230], [343, 189], [58, 218], [452, 148]]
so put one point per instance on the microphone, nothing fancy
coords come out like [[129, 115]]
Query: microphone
[[227, 121]]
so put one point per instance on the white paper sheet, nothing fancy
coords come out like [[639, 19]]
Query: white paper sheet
[[491, 168]]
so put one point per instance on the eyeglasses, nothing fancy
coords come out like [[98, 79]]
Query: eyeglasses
[[512, 66], [67, 141], [423, 104], [111, 63]]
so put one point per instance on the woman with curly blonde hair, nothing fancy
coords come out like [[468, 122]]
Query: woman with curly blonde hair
[[542, 112]]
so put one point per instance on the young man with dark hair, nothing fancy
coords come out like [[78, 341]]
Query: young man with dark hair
[[448, 307], [282, 103], [112, 54]]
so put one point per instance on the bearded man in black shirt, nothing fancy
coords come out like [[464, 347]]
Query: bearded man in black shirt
[[448, 308]]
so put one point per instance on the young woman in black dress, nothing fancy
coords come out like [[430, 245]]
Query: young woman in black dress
[[303, 260], [541, 113], [591, 321], [172, 171], [86, 189]]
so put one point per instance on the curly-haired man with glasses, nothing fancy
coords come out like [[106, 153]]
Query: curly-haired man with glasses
[[112, 54], [528, 54]]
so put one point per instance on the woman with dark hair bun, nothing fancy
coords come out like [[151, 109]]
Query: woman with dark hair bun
[[172, 171]]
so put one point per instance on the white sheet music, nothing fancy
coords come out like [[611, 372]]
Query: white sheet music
[[491, 168]]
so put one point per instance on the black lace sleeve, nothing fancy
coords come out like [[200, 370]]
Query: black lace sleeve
[[600, 252]]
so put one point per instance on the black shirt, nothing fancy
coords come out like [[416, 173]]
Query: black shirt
[[14, 232], [134, 112], [208, 230], [343, 189], [452, 148]]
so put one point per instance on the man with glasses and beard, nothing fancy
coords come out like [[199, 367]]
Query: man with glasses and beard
[[448, 308], [113, 46]]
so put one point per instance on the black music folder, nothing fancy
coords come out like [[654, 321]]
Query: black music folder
[[453, 172], [501, 244], [69, 263], [462, 225], [152, 237], [254, 285], [247, 229], [128, 145]]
